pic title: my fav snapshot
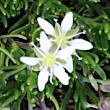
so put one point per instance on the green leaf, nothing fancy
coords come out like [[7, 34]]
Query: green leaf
[[11, 67], [42, 96], [2, 82], [36, 34], [93, 82], [16, 55], [104, 42], [74, 71], [2, 9], [93, 55], [19, 30], [8, 100], [16, 105], [97, 41], [15, 35], [54, 100], [91, 94], [24, 86], [55, 82], [18, 23], [52, 88], [77, 106], [10, 73], [100, 71], [4, 20], [106, 27], [83, 99], [31, 98], [95, 1], [21, 77], [66, 99], [90, 60], [84, 69], [72, 32], [108, 35], [31, 80], [17, 93], [77, 91]]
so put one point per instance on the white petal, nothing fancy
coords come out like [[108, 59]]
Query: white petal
[[46, 26], [5, 108], [99, 107], [69, 64], [64, 53], [31, 61], [67, 22], [81, 44], [60, 73], [88, 105], [43, 78], [44, 42]]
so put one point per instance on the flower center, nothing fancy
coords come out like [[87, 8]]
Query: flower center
[[64, 39], [49, 60]]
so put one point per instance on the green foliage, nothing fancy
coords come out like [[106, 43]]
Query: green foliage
[[16, 80], [11, 8]]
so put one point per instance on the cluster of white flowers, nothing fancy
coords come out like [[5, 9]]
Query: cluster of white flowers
[[54, 53]]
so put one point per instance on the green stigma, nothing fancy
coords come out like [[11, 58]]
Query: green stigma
[[49, 60], [64, 39]]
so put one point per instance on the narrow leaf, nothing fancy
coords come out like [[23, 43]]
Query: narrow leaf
[[100, 71]]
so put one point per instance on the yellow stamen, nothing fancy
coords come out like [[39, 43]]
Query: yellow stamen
[[49, 60], [64, 39]]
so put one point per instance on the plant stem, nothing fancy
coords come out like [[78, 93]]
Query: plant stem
[[30, 107], [42, 104], [100, 95], [81, 64]]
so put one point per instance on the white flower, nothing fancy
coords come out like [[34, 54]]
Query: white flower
[[5, 108], [65, 33], [51, 60]]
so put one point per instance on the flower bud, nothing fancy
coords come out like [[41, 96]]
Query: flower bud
[[105, 87], [105, 104]]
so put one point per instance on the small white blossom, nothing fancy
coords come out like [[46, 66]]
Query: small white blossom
[[63, 32], [5, 108], [52, 61]]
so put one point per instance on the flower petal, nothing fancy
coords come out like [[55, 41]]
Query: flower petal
[[69, 64], [64, 53], [43, 78], [60, 73], [31, 61], [67, 22], [5, 108], [88, 105], [46, 26], [44, 42], [81, 44]]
